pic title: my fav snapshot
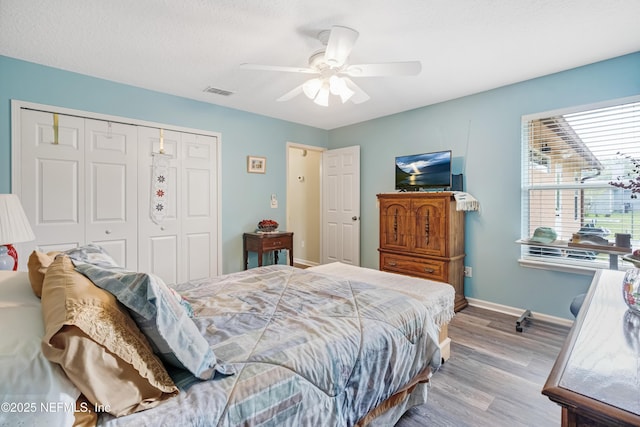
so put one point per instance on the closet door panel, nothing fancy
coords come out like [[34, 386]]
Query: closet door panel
[[112, 202], [52, 181], [159, 242], [199, 197], [162, 258], [85, 180], [197, 253]]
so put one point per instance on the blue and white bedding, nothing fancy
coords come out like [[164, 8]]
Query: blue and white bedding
[[308, 348]]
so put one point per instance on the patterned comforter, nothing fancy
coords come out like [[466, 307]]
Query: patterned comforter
[[309, 349]]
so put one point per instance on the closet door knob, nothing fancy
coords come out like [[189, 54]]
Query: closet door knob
[[107, 231]]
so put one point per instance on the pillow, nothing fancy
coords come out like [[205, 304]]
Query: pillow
[[160, 316], [186, 305], [37, 265], [39, 261], [98, 345], [92, 254], [27, 376]]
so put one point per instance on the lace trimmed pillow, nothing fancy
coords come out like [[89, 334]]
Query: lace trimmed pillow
[[98, 344]]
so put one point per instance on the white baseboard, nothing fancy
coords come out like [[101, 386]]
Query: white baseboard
[[514, 311], [305, 262]]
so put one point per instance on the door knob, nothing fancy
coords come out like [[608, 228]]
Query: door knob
[[355, 218], [107, 231]]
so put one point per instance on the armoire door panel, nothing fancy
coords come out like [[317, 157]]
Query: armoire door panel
[[394, 224], [429, 227]]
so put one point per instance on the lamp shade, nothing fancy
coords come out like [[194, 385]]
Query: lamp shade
[[14, 225]]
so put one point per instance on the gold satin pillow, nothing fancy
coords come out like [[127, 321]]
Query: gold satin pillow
[[38, 264], [98, 344]]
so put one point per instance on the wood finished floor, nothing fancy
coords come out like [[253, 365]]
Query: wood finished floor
[[495, 375]]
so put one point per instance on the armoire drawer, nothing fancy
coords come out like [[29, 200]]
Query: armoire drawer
[[427, 268]]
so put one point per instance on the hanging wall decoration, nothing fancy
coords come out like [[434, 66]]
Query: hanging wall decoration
[[159, 184]]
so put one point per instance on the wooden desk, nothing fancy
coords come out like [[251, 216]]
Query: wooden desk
[[596, 378], [265, 242]]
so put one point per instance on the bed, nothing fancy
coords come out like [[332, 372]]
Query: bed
[[329, 345]]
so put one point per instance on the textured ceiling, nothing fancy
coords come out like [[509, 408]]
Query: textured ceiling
[[181, 47]]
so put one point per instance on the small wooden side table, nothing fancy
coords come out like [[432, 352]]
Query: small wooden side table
[[265, 242]]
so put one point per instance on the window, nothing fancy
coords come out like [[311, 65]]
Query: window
[[569, 164]]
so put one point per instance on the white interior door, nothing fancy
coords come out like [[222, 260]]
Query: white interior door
[[198, 205], [159, 244], [341, 205], [111, 196], [52, 180]]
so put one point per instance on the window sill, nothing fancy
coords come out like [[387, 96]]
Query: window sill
[[565, 268]]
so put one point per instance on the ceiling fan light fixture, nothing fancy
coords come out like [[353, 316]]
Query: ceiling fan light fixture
[[312, 87], [338, 86], [322, 98]]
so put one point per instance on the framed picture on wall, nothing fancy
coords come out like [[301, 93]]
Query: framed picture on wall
[[256, 164]]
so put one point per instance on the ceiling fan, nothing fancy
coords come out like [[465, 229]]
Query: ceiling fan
[[332, 73]]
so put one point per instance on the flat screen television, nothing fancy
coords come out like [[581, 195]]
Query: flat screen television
[[424, 171]]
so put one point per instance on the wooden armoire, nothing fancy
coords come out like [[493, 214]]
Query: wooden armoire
[[422, 235]]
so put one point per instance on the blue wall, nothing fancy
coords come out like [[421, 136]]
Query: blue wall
[[483, 131], [245, 197]]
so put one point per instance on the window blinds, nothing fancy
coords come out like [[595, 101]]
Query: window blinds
[[570, 162]]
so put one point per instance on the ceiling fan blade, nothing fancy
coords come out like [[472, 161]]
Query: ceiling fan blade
[[409, 68], [339, 46], [291, 94], [359, 95], [278, 68]]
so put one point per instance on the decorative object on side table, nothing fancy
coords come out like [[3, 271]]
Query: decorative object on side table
[[631, 290], [633, 258], [14, 228], [267, 225]]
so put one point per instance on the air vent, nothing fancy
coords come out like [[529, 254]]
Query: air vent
[[217, 91]]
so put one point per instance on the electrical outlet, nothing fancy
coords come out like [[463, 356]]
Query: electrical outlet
[[468, 271]]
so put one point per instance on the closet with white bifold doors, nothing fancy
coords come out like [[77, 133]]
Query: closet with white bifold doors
[[97, 180]]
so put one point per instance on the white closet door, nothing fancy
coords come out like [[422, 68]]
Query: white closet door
[[159, 245], [198, 207], [52, 180], [111, 177]]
